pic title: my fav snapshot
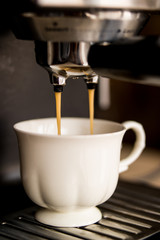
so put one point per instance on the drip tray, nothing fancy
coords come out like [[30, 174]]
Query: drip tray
[[133, 212]]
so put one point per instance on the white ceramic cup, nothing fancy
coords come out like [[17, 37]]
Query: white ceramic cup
[[69, 175]]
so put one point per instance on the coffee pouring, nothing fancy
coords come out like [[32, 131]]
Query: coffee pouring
[[64, 34]]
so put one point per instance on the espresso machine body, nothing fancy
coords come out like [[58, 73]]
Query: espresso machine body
[[63, 33]]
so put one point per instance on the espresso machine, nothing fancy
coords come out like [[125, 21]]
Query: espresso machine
[[63, 33], [86, 40]]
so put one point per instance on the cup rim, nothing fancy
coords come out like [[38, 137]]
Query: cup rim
[[16, 127]]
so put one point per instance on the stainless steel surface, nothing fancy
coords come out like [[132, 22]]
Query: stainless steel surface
[[63, 38], [79, 25], [64, 60], [125, 4], [133, 212]]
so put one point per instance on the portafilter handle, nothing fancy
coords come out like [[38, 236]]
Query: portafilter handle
[[135, 60]]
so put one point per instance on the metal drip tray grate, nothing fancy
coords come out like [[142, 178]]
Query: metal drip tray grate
[[133, 212]]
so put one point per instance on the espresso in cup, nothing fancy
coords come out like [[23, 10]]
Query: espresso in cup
[[68, 176]]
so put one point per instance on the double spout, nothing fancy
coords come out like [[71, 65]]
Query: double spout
[[63, 60]]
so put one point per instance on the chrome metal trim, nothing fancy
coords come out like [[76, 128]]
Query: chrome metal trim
[[94, 26], [148, 5]]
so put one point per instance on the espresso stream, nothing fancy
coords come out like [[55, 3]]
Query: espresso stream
[[58, 111], [91, 109]]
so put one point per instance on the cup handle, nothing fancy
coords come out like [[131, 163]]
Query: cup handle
[[138, 145]]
